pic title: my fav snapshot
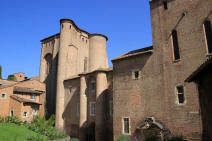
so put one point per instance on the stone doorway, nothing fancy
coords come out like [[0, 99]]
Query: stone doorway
[[91, 132], [205, 100], [150, 129]]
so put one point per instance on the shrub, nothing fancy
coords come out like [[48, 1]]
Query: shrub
[[74, 139], [11, 77], [13, 119], [1, 120], [45, 127], [123, 138], [36, 138]]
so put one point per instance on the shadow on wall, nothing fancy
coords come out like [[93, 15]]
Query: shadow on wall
[[70, 114], [205, 100], [102, 129], [51, 81]]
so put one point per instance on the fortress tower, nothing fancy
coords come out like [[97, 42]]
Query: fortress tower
[[70, 60]]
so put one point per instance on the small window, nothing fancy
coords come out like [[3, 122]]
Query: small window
[[208, 35], [11, 113], [126, 126], [3, 96], [25, 114], [175, 45], [78, 109], [180, 94], [70, 26], [33, 97], [165, 5], [136, 75], [93, 86], [70, 90], [92, 109]]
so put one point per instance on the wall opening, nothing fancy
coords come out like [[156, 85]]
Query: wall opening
[[165, 5], [126, 125], [85, 64], [208, 36], [175, 45], [48, 59], [180, 94]]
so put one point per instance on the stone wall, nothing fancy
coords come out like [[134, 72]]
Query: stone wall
[[161, 74]]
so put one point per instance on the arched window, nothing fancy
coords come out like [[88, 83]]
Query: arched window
[[208, 36], [175, 45], [48, 59]]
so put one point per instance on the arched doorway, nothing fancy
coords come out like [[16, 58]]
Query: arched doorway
[[91, 132]]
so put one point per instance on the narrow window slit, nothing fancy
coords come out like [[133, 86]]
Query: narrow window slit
[[165, 5], [208, 36], [175, 45]]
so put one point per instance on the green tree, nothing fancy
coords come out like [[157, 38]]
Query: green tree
[[11, 77], [0, 72]]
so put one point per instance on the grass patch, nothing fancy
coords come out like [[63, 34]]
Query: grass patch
[[12, 132]]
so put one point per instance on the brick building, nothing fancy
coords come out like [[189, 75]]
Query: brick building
[[145, 92], [23, 98]]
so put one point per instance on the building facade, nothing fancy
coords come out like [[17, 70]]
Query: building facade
[[145, 92], [22, 99], [74, 66]]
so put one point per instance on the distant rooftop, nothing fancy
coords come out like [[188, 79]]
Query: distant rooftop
[[26, 90], [24, 100]]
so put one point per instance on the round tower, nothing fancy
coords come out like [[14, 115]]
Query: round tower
[[97, 52], [65, 40]]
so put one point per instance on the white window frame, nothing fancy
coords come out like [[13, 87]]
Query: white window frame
[[133, 74], [176, 93], [33, 96], [91, 112], [26, 114], [4, 97], [123, 126]]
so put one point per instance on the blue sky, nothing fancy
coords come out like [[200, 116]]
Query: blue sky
[[25, 22]]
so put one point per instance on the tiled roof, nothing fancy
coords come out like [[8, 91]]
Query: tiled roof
[[4, 82], [24, 100], [26, 90], [135, 52], [200, 70]]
